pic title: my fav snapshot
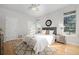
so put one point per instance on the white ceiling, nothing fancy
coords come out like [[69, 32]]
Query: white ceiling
[[24, 8]]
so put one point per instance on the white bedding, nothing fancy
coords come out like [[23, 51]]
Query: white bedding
[[42, 41]]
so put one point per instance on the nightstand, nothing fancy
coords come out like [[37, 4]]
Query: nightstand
[[60, 38]]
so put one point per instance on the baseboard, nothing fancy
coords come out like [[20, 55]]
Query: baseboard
[[72, 43]]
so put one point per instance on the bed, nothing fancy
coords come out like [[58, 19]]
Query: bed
[[44, 40]]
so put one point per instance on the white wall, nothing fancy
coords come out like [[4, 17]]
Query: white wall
[[16, 23], [2, 22], [57, 18], [26, 26], [11, 28]]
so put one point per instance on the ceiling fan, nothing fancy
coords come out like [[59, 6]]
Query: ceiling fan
[[34, 7]]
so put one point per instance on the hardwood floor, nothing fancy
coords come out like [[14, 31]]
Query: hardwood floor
[[61, 49], [65, 49], [9, 46]]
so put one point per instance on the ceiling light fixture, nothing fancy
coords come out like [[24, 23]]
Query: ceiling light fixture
[[34, 7]]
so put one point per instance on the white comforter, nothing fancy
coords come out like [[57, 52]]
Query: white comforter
[[42, 41]]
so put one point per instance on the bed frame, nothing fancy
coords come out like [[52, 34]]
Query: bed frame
[[50, 28]]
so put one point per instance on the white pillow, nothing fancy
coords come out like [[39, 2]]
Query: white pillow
[[51, 32], [43, 31]]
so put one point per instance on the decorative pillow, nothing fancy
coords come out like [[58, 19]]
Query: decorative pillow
[[43, 31], [51, 32], [47, 32]]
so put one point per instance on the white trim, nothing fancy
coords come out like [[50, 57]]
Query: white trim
[[72, 43]]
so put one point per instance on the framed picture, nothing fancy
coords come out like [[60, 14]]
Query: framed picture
[[48, 22]]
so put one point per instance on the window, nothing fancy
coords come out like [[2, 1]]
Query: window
[[70, 22]]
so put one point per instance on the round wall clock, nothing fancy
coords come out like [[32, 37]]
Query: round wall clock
[[48, 23]]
